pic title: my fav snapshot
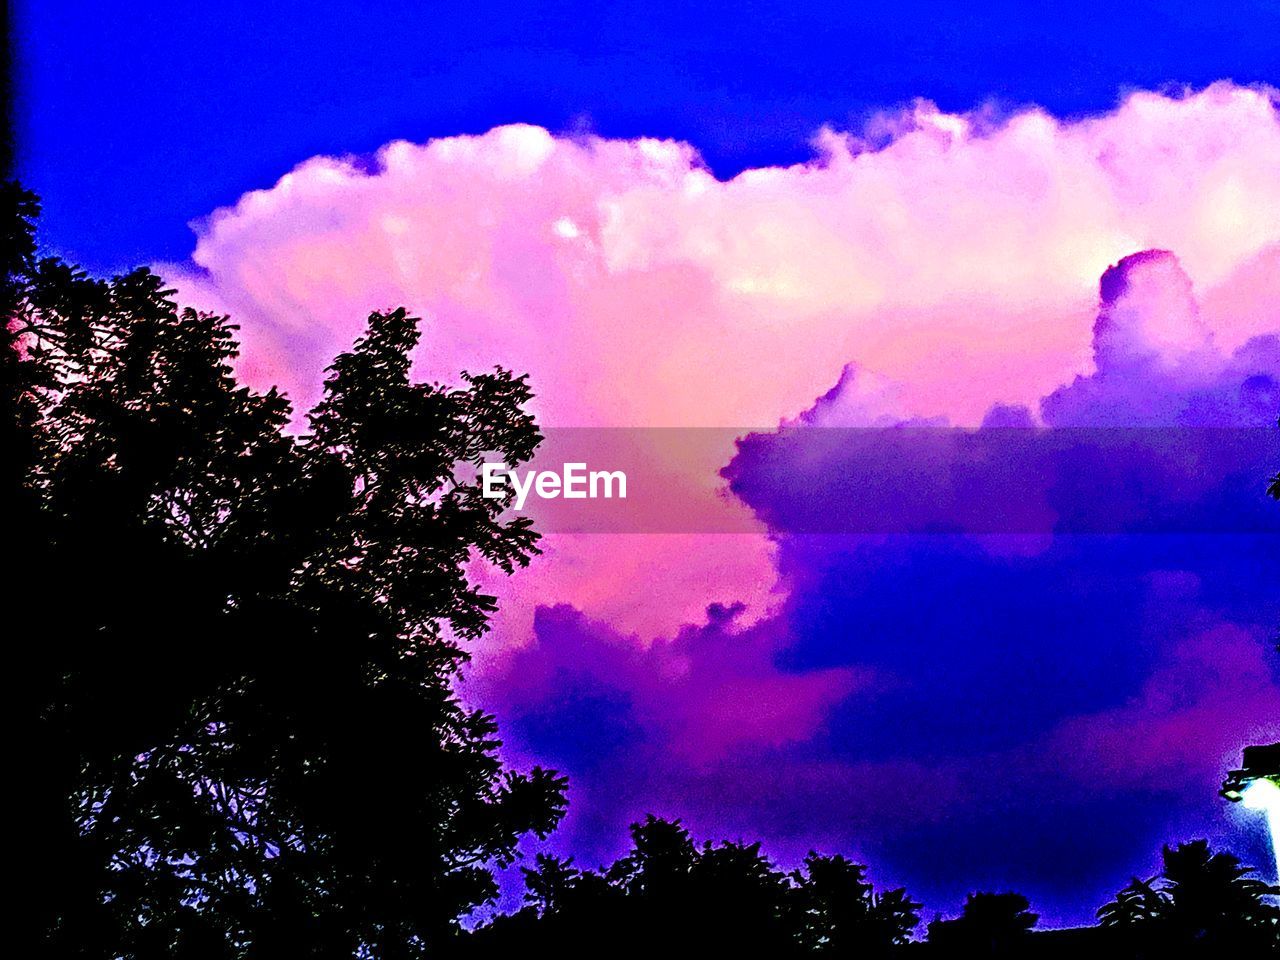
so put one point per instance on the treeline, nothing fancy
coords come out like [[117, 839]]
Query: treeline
[[669, 897], [724, 899]]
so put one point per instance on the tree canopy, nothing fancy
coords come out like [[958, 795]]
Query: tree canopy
[[1201, 902], [671, 897], [242, 739]]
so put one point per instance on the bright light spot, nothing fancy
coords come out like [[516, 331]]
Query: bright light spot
[[1261, 795], [1264, 795], [564, 227]]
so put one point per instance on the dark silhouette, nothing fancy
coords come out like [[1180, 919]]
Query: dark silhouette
[[839, 913], [670, 897], [1202, 903], [991, 925], [241, 736], [1138, 904]]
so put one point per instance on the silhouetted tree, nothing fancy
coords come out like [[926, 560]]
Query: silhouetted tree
[[661, 859], [839, 913], [241, 737], [740, 902], [657, 877], [1214, 901], [991, 924], [669, 897], [1201, 902], [1139, 903], [549, 885]]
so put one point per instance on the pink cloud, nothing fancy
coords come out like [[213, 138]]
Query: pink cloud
[[932, 267], [955, 261], [958, 241]]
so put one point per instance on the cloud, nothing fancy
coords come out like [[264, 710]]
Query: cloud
[[952, 255], [1091, 663], [1167, 434], [709, 690], [933, 259], [969, 275]]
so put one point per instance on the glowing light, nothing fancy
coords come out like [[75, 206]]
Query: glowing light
[[566, 228], [1264, 795], [1261, 795]]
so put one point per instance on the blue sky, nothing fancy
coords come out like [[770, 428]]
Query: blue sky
[[137, 117]]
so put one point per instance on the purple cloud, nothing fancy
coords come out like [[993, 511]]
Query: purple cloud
[[1036, 704]]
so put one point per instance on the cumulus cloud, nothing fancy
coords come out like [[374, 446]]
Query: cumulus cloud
[[966, 276], [954, 256], [921, 681], [934, 259], [1166, 434], [1101, 656], [709, 690]]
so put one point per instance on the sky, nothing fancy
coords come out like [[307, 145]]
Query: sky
[[136, 118], [1013, 282]]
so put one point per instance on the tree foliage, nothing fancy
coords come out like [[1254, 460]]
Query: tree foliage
[[1201, 902], [669, 896], [242, 739], [991, 924]]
